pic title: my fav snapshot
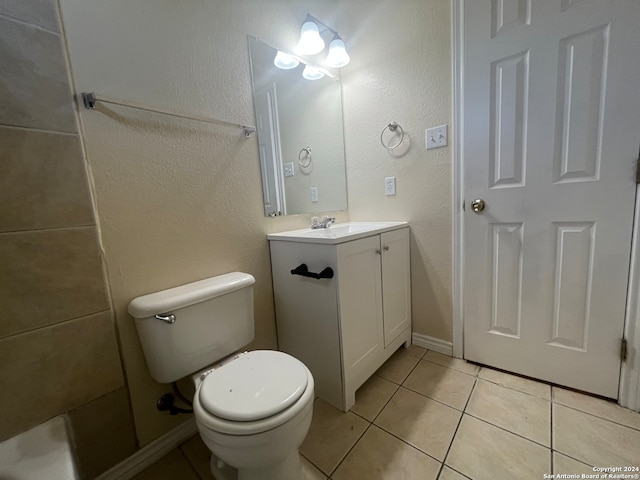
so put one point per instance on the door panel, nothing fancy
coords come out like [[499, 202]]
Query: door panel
[[551, 129], [396, 288]]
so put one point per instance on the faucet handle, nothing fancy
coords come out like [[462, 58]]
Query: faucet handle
[[327, 220]]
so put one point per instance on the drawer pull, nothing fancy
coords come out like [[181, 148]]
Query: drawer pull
[[303, 270]]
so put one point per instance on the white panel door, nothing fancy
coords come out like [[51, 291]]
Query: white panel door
[[551, 129]]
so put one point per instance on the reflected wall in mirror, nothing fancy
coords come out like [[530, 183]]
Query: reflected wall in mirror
[[300, 137]]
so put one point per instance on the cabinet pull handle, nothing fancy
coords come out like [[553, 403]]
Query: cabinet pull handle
[[386, 248], [303, 270], [378, 251]]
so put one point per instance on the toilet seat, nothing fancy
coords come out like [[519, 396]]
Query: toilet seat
[[254, 386], [302, 397]]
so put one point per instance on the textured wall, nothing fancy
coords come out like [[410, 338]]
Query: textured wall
[[177, 201], [58, 349], [400, 71]]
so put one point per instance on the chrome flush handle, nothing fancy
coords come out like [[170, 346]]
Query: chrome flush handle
[[166, 317]]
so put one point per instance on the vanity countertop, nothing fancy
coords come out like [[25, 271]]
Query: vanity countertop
[[337, 233]]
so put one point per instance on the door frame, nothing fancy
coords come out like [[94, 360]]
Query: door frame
[[629, 389]]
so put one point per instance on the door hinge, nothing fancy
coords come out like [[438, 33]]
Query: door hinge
[[623, 350]]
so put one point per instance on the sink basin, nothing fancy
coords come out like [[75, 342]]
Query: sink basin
[[337, 233]]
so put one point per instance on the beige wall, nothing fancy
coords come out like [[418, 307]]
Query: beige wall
[[179, 201], [400, 71], [58, 348]]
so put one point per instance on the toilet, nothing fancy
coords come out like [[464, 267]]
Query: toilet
[[252, 409]]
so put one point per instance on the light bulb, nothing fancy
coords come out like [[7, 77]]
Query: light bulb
[[312, 73], [284, 61], [338, 56], [310, 40]]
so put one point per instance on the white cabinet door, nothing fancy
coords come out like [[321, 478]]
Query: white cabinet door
[[550, 141], [360, 303], [396, 283]]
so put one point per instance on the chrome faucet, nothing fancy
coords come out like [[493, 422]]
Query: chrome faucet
[[325, 222]]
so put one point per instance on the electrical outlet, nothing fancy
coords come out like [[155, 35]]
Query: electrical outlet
[[288, 170], [390, 186], [436, 137], [314, 194]]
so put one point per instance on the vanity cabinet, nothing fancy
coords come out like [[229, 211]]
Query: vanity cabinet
[[343, 328]]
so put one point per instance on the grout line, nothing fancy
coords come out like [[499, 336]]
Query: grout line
[[457, 471], [573, 458], [186, 459], [436, 400], [459, 422], [28, 24], [36, 230], [575, 409], [316, 466], [39, 130], [551, 432], [55, 324], [349, 451], [509, 431]]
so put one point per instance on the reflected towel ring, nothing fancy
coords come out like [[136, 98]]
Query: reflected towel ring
[[392, 127], [307, 157]]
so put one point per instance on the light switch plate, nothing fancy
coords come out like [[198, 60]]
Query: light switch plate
[[436, 137], [314, 194], [288, 170]]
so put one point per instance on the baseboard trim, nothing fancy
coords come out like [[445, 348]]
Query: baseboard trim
[[151, 453], [432, 343]]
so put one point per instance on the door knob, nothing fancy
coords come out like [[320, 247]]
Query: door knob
[[478, 205]]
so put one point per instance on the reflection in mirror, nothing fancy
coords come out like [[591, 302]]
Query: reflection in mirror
[[300, 138]]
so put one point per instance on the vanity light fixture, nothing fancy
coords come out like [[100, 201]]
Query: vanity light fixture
[[310, 41], [285, 61], [338, 56], [312, 73]]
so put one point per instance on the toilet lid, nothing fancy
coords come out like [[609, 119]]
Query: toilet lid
[[256, 385]]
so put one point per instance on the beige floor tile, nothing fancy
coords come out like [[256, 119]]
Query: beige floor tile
[[173, 465], [420, 421], [373, 396], [563, 464], [310, 472], [450, 474], [483, 451], [380, 456], [440, 383], [598, 407], [451, 362], [521, 384], [398, 366], [416, 351], [593, 440], [331, 436], [199, 456], [512, 410]]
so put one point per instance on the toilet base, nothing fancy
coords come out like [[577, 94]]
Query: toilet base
[[289, 469]]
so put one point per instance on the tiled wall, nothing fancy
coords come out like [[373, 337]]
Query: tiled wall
[[58, 348]]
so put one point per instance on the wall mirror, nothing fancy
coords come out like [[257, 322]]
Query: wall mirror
[[300, 137]]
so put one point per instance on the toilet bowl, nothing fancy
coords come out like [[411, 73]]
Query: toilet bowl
[[253, 410], [253, 413]]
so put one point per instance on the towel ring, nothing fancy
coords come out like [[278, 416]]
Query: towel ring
[[307, 157], [392, 127]]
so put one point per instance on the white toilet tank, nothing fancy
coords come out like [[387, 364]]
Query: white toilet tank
[[211, 319]]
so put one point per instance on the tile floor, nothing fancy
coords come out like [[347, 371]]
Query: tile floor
[[425, 416]]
